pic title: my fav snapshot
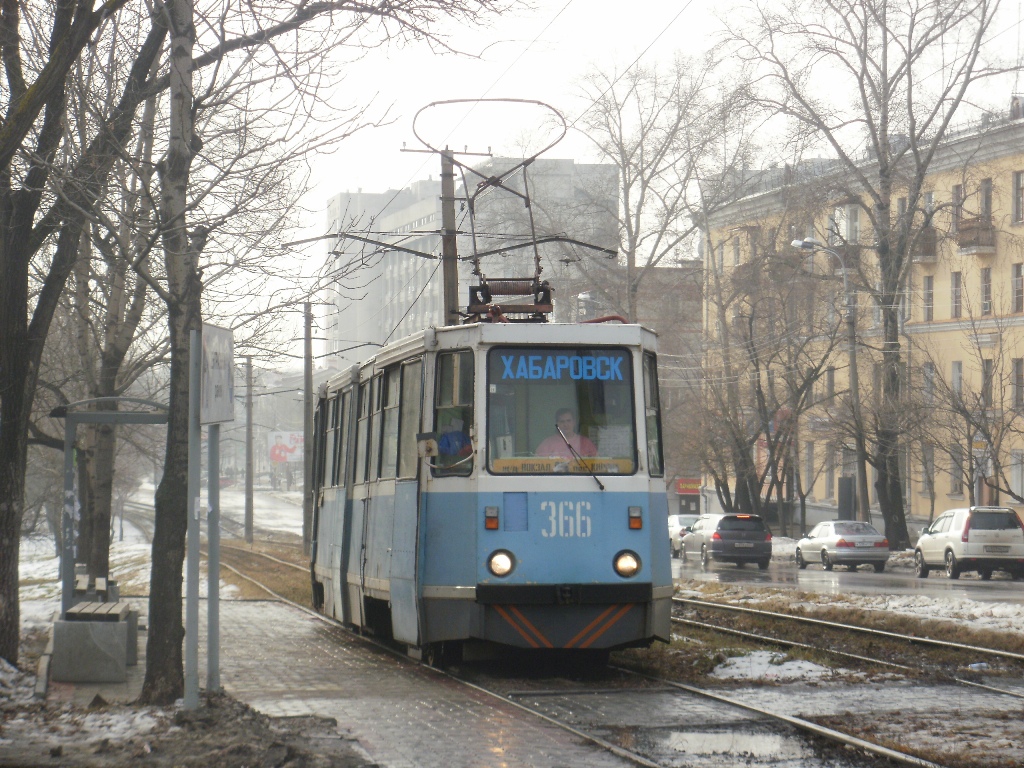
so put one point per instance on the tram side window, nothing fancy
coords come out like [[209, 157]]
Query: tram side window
[[341, 438], [362, 431], [376, 412], [409, 419], [653, 412], [330, 412], [453, 413], [389, 406]]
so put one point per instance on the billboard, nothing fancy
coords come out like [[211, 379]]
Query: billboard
[[285, 447]]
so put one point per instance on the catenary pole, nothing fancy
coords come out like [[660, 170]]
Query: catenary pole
[[248, 449], [449, 253], [307, 434]]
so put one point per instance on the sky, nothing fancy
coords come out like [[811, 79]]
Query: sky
[[537, 55]]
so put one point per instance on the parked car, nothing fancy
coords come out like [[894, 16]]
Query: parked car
[[843, 542], [677, 526], [733, 538], [982, 539]]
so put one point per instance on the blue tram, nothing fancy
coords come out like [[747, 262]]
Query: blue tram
[[495, 482]]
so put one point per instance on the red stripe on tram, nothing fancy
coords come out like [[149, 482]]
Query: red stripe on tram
[[608, 625]]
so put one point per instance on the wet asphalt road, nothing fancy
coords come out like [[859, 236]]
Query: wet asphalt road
[[893, 581]]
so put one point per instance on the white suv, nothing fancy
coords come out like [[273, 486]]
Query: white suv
[[982, 539]]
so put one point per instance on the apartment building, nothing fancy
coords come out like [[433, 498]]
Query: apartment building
[[961, 313]]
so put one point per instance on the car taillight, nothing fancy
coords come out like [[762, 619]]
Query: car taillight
[[967, 529], [767, 537], [882, 543], [716, 536], [845, 543]]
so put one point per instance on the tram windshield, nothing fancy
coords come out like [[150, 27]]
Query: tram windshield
[[560, 409]]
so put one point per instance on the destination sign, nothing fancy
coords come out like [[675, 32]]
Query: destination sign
[[557, 367]]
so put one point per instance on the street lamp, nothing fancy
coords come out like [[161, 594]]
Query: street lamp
[[811, 244]]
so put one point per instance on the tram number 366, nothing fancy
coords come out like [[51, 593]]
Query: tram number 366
[[566, 518]]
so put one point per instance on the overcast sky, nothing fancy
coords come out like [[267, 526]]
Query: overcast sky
[[538, 55]]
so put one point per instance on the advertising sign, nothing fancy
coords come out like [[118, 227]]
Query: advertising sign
[[687, 485], [285, 447]]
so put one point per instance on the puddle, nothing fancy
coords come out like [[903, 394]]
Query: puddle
[[732, 743]]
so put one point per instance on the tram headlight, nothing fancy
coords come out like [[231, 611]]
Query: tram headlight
[[627, 563], [501, 562]]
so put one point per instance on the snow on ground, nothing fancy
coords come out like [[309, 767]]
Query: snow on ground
[[771, 665]]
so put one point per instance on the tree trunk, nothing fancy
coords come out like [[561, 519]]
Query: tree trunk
[[164, 681]]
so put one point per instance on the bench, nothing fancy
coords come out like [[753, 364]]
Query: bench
[[95, 643], [99, 589], [98, 612]]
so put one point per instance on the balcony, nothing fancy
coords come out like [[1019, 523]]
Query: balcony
[[926, 246], [976, 235]]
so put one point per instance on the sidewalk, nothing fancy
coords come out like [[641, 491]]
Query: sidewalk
[[286, 663]]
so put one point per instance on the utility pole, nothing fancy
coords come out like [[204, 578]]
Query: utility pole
[[449, 253], [307, 434], [248, 449]]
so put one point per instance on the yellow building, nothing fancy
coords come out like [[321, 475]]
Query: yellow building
[[772, 314]]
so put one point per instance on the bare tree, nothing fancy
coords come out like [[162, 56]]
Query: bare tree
[[675, 141], [908, 68], [44, 213]]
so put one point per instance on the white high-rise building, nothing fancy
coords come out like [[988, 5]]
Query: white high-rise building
[[379, 296]]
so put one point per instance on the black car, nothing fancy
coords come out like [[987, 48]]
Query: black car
[[733, 538]]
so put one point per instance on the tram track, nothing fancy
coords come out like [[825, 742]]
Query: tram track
[[888, 643], [267, 572], [515, 698]]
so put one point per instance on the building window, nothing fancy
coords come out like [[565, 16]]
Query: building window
[[735, 251], [986, 290], [956, 378], [721, 258], [809, 466], [830, 384], [956, 286], [853, 224], [957, 208], [1018, 287], [929, 202], [1018, 382], [987, 372], [830, 471], [986, 200], [928, 294], [928, 374], [956, 469], [1017, 473], [1018, 196], [927, 468]]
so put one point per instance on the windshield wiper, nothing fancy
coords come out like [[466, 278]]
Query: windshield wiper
[[578, 457]]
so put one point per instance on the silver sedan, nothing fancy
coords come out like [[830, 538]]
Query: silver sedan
[[843, 542]]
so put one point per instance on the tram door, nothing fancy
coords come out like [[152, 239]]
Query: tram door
[[402, 421]]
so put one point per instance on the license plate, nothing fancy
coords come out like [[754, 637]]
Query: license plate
[[864, 544], [745, 544], [997, 550]]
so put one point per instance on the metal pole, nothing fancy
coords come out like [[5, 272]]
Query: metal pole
[[863, 511], [67, 551], [307, 436], [213, 561], [248, 449], [449, 253], [192, 548]]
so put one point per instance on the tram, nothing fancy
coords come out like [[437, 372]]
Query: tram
[[496, 485]]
